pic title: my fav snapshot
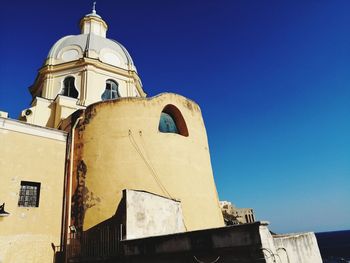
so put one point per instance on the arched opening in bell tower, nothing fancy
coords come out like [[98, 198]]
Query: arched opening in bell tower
[[111, 91], [69, 89]]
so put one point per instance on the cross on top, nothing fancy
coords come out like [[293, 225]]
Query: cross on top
[[94, 8]]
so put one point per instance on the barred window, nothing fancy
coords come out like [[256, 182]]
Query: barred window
[[29, 194]]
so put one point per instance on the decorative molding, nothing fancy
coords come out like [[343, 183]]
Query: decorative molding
[[90, 64]]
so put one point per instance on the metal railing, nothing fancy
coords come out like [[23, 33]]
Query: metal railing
[[100, 242]]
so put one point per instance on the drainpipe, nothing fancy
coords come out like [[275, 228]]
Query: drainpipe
[[71, 174], [68, 195], [63, 241]]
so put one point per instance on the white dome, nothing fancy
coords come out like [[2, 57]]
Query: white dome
[[72, 48], [91, 43]]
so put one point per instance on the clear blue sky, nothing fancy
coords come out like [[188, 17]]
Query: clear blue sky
[[272, 79]]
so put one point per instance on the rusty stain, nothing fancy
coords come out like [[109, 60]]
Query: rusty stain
[[90, 113], [82, 198], [89, 199], [78, 210]]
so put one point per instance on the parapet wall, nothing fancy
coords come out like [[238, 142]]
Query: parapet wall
[[289, 248], [300, 247]]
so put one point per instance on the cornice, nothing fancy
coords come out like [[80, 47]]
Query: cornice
[[82, 63], [96, 19], [30, 129]]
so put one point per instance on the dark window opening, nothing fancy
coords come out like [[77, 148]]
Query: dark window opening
[[69, 89], [172, 121], [29, 194], [111, 91]]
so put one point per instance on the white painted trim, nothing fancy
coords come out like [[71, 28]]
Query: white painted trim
[[17, 126]]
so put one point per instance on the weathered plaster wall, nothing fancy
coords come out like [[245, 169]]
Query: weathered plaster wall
[[121, 146], [151, 215], [26, 248], [268, 247], [35, 154], [42, 113], [290, 248], [295, 248]]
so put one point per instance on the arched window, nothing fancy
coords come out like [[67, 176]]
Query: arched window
[[69, 89], [172, 121], [111, 91], [167, 123]]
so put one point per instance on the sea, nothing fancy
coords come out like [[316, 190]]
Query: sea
[[334, 246]]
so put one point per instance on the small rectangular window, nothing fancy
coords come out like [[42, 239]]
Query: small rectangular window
[[29, 194]]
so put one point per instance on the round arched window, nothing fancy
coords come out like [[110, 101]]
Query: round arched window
[[172, 121]]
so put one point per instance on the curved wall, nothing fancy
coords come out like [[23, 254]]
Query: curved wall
[[118, 146]]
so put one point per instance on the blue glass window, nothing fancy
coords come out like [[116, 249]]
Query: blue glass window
[[111, 91], [167, 124]]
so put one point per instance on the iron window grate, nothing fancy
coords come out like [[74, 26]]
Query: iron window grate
[[29, 194]]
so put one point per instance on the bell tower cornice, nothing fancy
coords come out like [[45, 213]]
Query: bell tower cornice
[[85, 64]]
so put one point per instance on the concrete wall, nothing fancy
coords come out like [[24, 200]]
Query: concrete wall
[[30, 153], [290, 248], [118, 146], [294, 248], [151, 215], [234, 244]]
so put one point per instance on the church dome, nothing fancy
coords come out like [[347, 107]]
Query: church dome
[[91, 43]]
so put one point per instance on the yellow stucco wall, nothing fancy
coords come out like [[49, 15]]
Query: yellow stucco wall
[[120, 147], [27, 233]]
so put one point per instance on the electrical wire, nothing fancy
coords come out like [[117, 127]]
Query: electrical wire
[[144, 149], [273, 255], [148, 164]]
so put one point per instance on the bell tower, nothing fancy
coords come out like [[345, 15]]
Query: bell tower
[[80, 70]]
